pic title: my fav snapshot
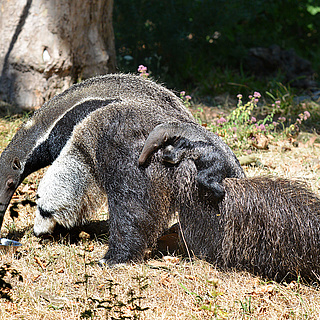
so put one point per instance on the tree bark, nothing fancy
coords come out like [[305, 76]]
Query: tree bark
[[46, 45]]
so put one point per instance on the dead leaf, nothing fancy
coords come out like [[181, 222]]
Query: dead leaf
[[60, 270], [84, 235], [171, 260], [261, 142], [285, 148], [269, 289], [309, 143], [157, 264], [40, 263], [246, 160], [166, 280], [191, 277], [34, 279]]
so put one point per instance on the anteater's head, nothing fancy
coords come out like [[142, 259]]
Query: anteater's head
[[10, 177], [163, 136]]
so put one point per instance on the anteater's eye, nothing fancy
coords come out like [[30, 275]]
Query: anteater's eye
[[16, 165], [10, 183]]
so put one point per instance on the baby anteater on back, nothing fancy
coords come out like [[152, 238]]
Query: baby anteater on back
[[266, 225], [213, 158]]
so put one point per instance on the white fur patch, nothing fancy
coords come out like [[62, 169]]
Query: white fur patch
[[30, 123], [68, 191], [46, 134], [43, 225]]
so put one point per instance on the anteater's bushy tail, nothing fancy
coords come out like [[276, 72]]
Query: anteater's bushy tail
[[271, 227], [265, 225]]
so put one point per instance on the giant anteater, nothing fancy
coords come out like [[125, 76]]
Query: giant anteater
[[92, 134], [266, 225]]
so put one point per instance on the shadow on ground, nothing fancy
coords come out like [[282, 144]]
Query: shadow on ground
[[168, 243]]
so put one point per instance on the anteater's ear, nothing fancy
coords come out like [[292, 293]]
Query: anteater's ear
[[213, 181], [165, 137], [16, 164], [156, 139]]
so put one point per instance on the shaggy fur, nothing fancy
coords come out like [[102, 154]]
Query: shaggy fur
[[268, 226], [212, 157], [40, 139], [105, 147], [271, 227]]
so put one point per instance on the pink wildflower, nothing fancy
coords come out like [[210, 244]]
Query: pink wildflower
[[143, 71], [188, 97], [257, 95], [253, 119], [221, 120], [262, 127], [306, 115], [239, 96]]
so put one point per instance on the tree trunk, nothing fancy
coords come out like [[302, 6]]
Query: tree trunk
[[46, 45]]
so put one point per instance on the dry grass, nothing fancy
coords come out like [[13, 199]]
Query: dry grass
[[60, 278]]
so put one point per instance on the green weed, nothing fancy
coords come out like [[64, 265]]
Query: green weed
[[246, 306], [209, 301], [241, 129]]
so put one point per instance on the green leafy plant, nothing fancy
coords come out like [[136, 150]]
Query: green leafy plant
[[241, 125], [241, 128], [185, 99], [246, 306], [143, 71], [209, 301]]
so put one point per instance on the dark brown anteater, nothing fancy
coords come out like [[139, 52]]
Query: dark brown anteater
[[268, 226], [92, 134]]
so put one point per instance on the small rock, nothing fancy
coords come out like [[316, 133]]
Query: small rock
[[84, 235]]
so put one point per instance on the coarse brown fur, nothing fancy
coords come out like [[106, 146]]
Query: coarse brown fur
[[269, 226]]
